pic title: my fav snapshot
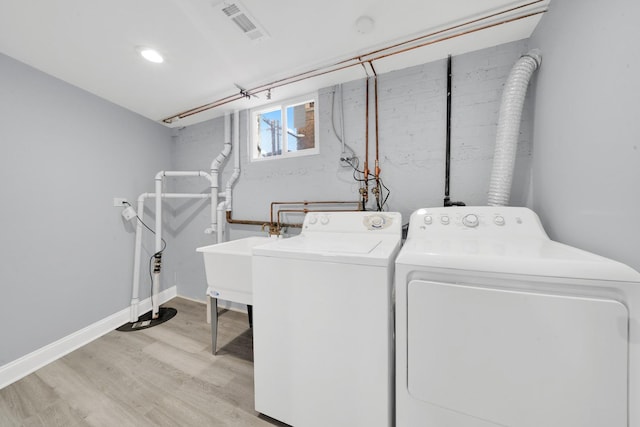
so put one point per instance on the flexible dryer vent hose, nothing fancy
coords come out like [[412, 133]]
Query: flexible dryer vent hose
[[509, 127]]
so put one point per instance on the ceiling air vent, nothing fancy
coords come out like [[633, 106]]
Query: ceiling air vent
[[243, 20]]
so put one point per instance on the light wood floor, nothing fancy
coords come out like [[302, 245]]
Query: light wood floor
[[161, 376]]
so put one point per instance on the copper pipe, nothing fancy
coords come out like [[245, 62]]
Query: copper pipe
[[230, 220], [454, 27], [305, 211], [274, 228], [368, 57], [305, 203], [280, 225], [375, 91], [453, 36]]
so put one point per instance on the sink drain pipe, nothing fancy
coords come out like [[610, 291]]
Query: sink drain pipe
[[508, 129]]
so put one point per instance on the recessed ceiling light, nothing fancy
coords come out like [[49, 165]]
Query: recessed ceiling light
[[151, 55]]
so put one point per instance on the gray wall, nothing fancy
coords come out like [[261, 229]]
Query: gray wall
[[412, 113], [586, 156], [66, 254]]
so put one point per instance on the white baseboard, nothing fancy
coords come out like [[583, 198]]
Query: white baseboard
[[199, 301], [19, 368]]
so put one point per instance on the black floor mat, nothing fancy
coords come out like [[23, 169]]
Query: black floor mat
[[145, 321]]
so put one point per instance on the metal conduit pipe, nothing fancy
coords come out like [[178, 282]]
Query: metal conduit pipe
[[447, 165], [365, 189], [398, 48], [510, 116]]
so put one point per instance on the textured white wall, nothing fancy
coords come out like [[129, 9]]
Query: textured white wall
[[412, 123]]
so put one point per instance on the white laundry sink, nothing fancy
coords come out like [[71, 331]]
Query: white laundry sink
[[228, 269]]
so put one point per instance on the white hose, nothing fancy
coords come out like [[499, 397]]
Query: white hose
[[508, 130]]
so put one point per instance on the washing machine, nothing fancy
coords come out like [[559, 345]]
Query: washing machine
[[497, 325], [323, 321]]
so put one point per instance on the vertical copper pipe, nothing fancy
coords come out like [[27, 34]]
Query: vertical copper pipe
[[375, 91]]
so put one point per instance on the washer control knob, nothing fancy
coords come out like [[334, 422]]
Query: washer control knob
[[377, 221], [498, 220], [324, 220], [428, 219], [444, 220], [313, 219], [470, 220]]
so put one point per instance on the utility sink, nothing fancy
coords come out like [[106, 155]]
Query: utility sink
[[228, 269]]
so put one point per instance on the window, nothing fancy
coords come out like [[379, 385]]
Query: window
[[285, 130]]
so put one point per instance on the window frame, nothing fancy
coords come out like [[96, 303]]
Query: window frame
[[283, 105]]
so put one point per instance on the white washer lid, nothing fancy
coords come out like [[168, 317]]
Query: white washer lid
[[532, 257], [349, 248]]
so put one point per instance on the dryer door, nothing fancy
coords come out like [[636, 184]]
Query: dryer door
[[518, 358]]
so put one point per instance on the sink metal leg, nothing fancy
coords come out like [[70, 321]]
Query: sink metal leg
[[214, 323], [250, 313]]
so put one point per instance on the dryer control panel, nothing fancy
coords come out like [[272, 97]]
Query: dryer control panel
[[476, 220], [353, 222]]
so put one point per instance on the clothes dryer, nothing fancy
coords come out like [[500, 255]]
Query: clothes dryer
[[497, 325], [323, 321]]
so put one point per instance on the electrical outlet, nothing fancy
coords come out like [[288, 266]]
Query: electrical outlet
[[120, 202]]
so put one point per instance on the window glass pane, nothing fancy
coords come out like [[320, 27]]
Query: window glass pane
[[300, 127], [269, 133]]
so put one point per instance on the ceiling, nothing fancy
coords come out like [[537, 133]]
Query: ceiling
[[94, 45]]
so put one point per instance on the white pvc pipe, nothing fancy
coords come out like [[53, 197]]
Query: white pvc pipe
[[215, 168], [236, 159], [135, 300], [508, 129], [155, 288], [133, 314], [181, 173], [221, 222]]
